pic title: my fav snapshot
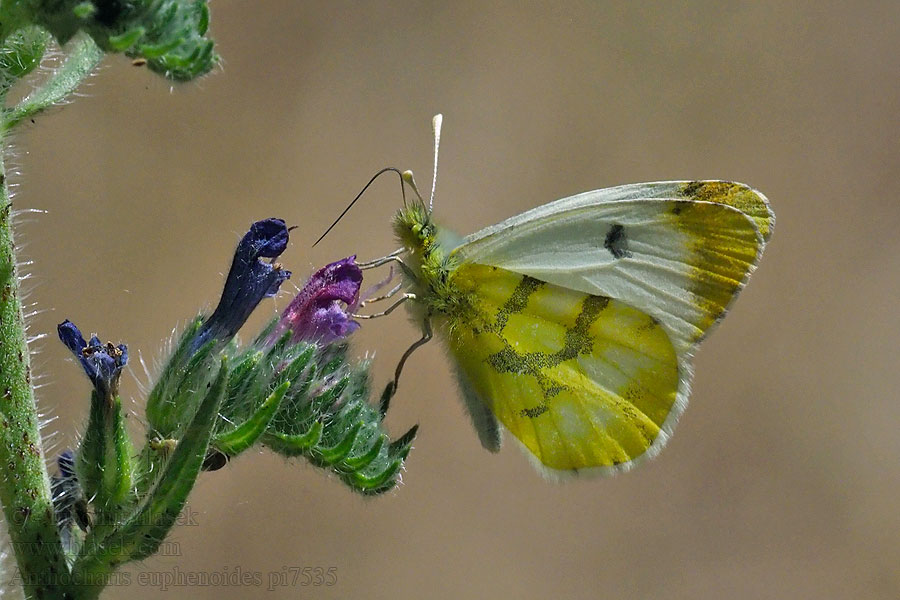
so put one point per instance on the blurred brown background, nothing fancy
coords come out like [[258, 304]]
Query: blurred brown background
[[782, 479]]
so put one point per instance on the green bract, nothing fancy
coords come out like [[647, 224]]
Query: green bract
[[170, 35]]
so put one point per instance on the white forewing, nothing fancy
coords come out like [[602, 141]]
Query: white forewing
[[629, 243]]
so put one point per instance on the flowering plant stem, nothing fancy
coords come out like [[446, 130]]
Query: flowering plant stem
[[24, 482]]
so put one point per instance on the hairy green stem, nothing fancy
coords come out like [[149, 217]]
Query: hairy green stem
[[24, 483], [82, 56]]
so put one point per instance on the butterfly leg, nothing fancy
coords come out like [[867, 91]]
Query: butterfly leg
[[393, 256], [391, 388], [390, 294], [389, 309]]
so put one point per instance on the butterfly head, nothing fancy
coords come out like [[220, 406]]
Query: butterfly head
[[413, 225]]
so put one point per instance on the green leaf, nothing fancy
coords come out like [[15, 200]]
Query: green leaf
[[84, 10], [157, 50], [20, 54], [124, 41], [173, 399], [379, 483], [141, 534], [245, 435], [294, 445], [361, 462], [105, 465], [401, 446], [340, 451]]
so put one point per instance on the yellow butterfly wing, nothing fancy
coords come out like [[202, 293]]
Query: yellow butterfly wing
[[664, 260], [582, 381]]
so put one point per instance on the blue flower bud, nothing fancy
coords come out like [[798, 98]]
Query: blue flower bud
[[66, 463], [249, 281], [103, 364]]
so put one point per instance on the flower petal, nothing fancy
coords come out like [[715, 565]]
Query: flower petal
[[321, 311], [249, 280]]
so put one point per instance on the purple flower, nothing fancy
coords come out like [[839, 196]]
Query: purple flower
[[103, 364], [249, 281], [322, 310]]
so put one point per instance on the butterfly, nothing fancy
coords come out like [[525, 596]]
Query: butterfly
[[573, 324]]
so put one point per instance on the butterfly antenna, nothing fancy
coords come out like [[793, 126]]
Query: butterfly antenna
[[363, 191], [411, 182], [436, 129]]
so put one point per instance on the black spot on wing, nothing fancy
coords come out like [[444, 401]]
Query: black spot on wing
[[617, 242], [537, 411]]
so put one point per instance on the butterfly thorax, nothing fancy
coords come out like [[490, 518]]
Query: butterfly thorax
[[428, 262]]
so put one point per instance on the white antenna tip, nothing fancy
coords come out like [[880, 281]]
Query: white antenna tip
[[436, 128]]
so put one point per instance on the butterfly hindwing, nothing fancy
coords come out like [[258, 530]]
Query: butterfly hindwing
[[583, 381], [680, 251], [484, 421]]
